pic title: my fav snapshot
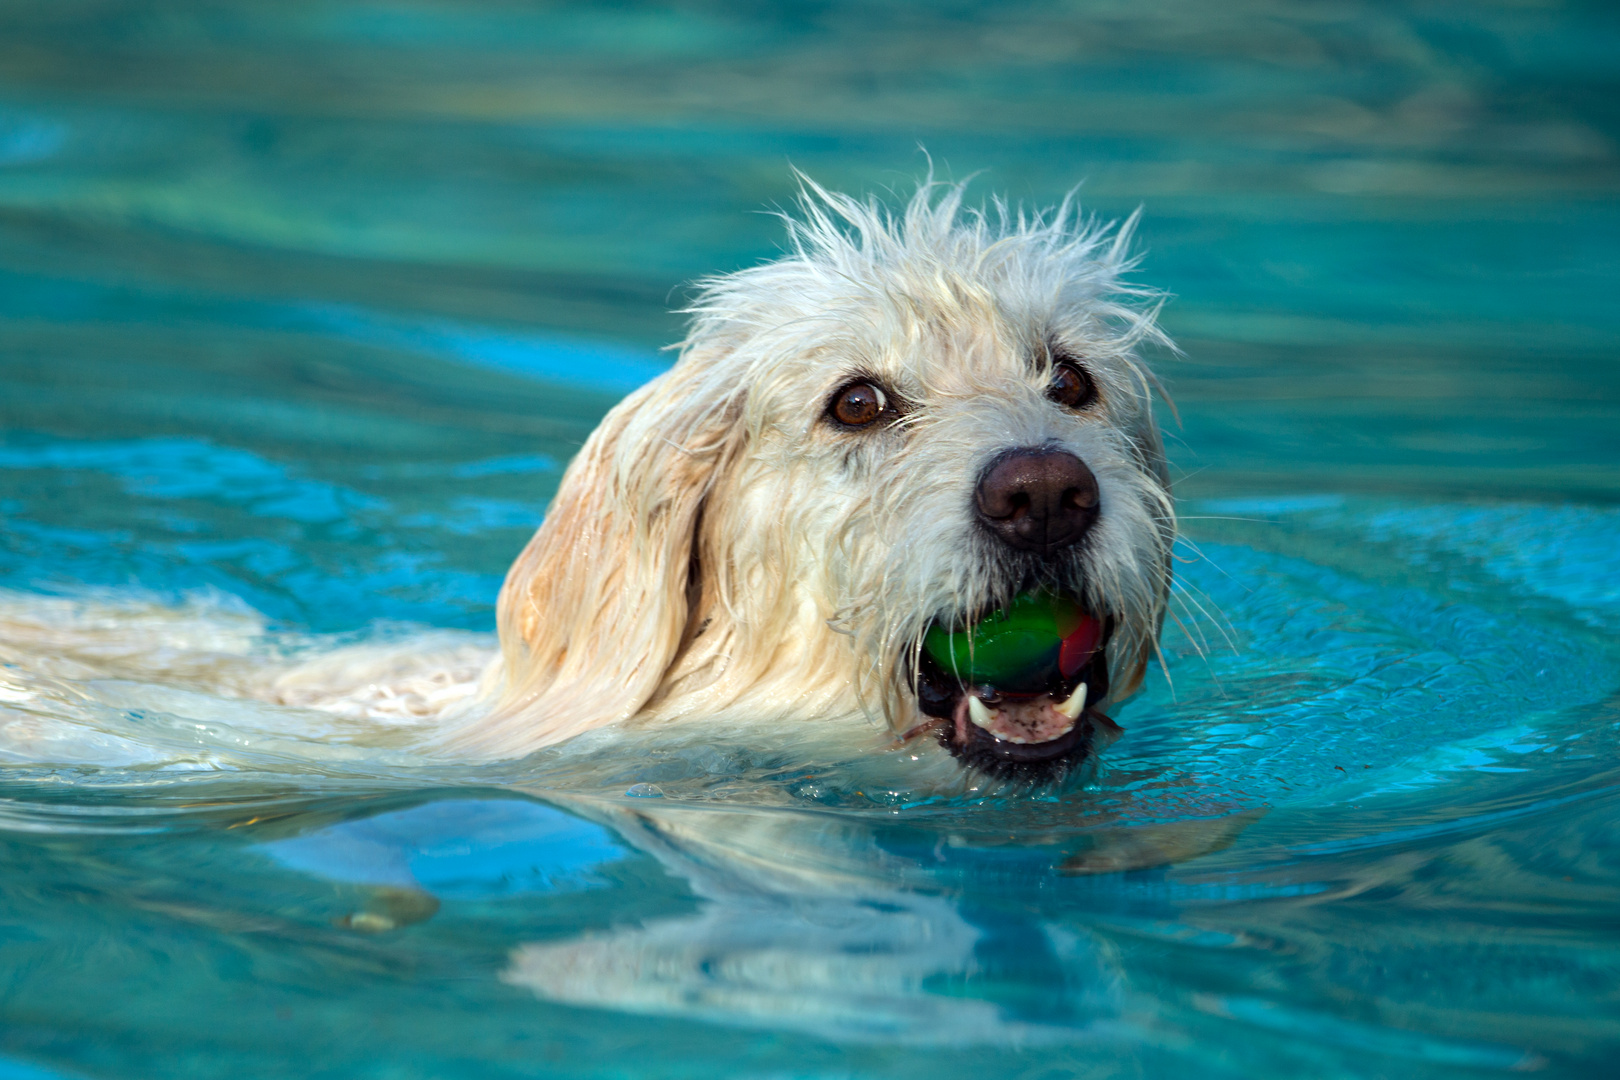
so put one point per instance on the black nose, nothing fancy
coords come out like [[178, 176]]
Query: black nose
[[1038, 500]]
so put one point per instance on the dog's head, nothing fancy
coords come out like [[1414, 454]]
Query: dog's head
[[903, 425]]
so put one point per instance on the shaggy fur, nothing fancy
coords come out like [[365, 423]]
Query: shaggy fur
[[719, 551]]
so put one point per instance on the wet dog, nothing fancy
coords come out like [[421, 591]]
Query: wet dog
[[904, 424]]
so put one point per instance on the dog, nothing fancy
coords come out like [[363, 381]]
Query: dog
[[906, 422], [899, 428]]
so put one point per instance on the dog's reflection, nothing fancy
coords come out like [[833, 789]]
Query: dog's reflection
[[801, 928], [832, 924]]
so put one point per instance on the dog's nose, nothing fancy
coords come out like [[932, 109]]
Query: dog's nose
[[1037, 499]]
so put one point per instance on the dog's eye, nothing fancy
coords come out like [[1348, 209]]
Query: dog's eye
[[858, 405], [1071, 387]]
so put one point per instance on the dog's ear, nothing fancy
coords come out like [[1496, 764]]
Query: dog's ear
[[593, 612]]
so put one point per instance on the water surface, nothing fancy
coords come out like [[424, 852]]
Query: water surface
[[304, 307]]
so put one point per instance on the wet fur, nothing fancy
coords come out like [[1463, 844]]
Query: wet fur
[[718, 552]]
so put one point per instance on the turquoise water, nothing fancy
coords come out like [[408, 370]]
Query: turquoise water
[[304, 306]]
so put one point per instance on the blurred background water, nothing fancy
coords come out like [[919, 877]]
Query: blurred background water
[[303, 307]]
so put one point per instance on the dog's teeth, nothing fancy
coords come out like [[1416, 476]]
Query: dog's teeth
[[1075, 705], [979, 714]]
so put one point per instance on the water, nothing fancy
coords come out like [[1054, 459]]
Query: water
[[303, 307]]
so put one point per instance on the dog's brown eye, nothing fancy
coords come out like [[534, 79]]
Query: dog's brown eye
[[858, 405], [1071, 387]]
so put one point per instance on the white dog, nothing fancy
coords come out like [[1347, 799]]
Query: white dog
[[906, 422], [901, 427]]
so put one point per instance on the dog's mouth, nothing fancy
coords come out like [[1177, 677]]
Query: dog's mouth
[[1018, 696]]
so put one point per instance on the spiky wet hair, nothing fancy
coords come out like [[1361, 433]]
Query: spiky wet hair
[[657, 587]]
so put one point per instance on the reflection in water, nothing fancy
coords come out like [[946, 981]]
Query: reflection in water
[[856, 930], [821, 923], [783, 940]]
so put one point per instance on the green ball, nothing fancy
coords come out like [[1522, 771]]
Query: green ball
[[1013, 648]]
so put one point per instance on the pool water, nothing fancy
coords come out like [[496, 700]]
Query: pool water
[[303, 308]]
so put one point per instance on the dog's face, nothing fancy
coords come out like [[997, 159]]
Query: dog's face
[[886, 433]]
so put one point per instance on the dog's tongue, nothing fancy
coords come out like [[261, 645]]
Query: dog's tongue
[[1021, 647]]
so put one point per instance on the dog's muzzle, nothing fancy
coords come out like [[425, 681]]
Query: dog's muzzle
[[1038, 723]]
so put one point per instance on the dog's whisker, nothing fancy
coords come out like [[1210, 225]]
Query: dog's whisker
[[1191, 631], [1186, 593], [1211, 563], [1229, 517]]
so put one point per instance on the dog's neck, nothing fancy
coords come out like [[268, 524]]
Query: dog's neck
[[782, 651]]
